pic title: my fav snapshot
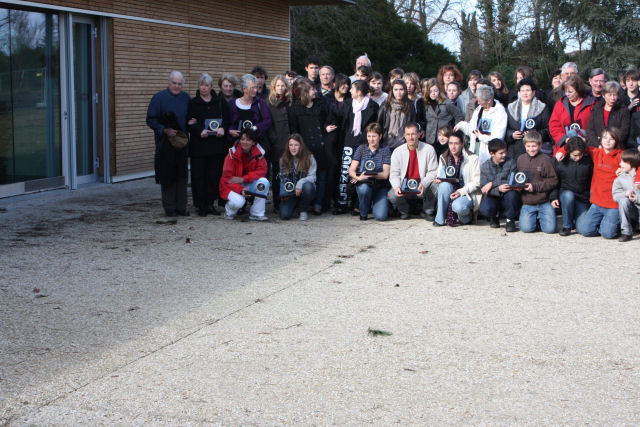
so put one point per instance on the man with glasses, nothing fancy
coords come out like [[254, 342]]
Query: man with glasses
[[167, 116]]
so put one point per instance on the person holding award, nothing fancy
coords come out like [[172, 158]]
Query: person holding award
[[250, 111], [244, 174], [527, 113], [297, 178], [458, 183], [609, 112], [369, 172], [208, 123], [411, 175], [571, 112], [488, 121]]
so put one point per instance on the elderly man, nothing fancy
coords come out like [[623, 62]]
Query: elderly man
[[597, 79], [412, 174], [362, 60], [567, 70], [167, 116], [327, 75]]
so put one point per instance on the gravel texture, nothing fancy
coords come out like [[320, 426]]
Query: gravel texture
[[108, 317]]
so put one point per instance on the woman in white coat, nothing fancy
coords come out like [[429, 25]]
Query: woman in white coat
[[489, 121]]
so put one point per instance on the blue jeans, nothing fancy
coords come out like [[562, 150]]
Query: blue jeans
[[530, 214], [509, 202], [463, 205], [599, 220], [288, 205], [572, 209], [380, 204], [321, 185]]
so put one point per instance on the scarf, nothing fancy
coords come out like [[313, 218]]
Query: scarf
[[358, 107], [396, 119], [451, 215]]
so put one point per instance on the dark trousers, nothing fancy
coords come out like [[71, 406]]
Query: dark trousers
[[205, 179], [174, 195], [508, 203], [275, 183]]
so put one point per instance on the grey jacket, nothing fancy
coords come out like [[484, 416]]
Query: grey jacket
[[620, 186]]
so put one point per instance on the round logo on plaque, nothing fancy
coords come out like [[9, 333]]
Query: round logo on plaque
[[214, 125], [520, 178], [484, 125], [261, 187], [370, 165], [247, 124], [450, 171], [412, 184], [574, 126], [530, 124], [289, 187]]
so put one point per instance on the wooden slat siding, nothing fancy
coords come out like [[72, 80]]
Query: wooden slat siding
[[141, 67]]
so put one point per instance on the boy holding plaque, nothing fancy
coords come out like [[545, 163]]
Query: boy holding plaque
[[542, 179], [412, 173], [244, 173], [497, 193]]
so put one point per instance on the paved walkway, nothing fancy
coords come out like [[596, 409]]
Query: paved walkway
[[109, 317]]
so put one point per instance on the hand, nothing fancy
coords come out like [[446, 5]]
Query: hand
[[555, 204], [529, 187], [204, 133], [634, 104], [454, 195], [331, 128], [437, 181], [192, 121], [420, 190], [487, 187], [298, 191], [628, 193], [517, 135], [637, 186], [219, 132], [477, 133], [559, 156], [421, 134], [398, 192], [170, 132], [618, 171], [244, 193], [236, 180], [456, 127], [504, 188], [633, 197], [234, 133]]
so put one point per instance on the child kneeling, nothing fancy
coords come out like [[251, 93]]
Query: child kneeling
[[626, 194], [244, 172], [297, 170]]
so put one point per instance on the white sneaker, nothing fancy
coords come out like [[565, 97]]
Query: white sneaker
[[304, 216], [225, 216], [258, 218]]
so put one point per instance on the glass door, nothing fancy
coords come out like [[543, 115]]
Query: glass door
[[84, 98]]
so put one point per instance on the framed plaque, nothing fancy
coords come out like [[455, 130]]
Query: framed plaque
[[370, 167], [262, 190], [528, 124], [410, 186], [519, 179], [484, 126], [245, 124], [287, 188], [449, 175], [212, 125]]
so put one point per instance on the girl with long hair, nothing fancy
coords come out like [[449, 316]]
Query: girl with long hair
[[297, 178], [396, 111]]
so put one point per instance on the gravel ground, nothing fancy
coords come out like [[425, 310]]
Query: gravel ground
[[109, 317]]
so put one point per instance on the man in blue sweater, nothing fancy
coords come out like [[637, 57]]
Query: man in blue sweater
[[167, 116]]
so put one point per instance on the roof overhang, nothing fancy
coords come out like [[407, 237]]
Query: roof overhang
[[321, 2]]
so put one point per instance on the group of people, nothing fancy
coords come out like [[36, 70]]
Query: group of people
[[403, 145]]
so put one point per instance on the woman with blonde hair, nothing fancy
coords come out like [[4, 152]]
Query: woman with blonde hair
[[278, 102]]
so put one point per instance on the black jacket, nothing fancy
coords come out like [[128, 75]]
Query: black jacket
[[539, 112], [618, 118], [279, 130], [369, 115], [216, 108], [311, 123], [575, 177]]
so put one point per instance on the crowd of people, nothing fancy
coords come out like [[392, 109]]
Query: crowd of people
[[445, 148]]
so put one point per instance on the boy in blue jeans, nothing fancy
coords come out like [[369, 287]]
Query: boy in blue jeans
[[536, 204]]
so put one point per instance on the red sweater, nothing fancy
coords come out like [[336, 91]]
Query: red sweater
[[249, 166], [604, 173]]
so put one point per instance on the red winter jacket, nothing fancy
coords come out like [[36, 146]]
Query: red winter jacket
[[560, 118], [257, 168], [604, 173]]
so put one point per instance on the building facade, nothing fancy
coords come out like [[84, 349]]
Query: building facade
[[76, 77]]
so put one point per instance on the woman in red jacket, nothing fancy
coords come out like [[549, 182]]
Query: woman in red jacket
[[571, 112], [602, 217], [244, 172]]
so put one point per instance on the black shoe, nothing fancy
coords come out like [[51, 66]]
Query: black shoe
[[339, 211], [565, 232], [404, 216], [355, 213], [624, 238], [363, 218], [211, 210], [437, 224], [202, 212], [429, 216], [316, 212], [494, 222], [170, 213], [183, 213], [510, 226]]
